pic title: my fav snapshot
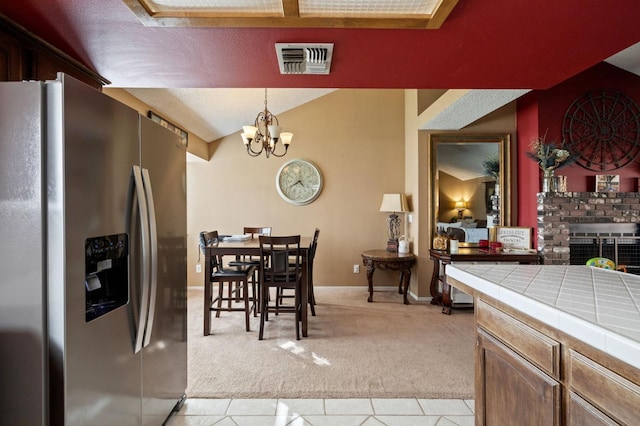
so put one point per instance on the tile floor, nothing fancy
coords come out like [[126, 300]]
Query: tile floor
[[325, 412]]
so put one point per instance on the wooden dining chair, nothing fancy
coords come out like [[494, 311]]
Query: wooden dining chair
[[280, 268], [310, 262], [237, 280], [310, 258], [254, 231]]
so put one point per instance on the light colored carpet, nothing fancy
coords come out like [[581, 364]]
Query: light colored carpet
[[355, 349]]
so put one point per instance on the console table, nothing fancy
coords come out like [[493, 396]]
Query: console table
[[466, 254], [382, 259]]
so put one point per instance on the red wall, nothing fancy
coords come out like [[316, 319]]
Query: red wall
[[543, 111], [527, 171]]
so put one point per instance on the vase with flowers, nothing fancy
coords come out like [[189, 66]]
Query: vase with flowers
[[550, 156]]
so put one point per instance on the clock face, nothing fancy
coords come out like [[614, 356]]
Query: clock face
[[299, 181], [603, 128]]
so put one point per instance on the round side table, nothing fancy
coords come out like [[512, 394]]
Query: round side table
[[385, 260]]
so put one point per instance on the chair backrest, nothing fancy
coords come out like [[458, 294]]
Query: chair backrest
[[314, 245], [264, 230], [280, 258], [207, 238]]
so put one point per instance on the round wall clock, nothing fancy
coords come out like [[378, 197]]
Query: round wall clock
[[299, 181], [603, 128]]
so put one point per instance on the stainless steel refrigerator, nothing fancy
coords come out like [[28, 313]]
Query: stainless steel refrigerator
[[92, 260]]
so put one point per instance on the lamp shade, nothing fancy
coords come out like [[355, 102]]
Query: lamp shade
[[286, 137], [394, 203], [461, 205]]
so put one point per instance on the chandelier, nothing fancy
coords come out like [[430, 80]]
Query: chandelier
[[265, 134]]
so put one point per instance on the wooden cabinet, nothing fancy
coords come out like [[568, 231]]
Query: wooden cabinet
[[516, 372], [24, 56], [10, 58], [531, 374]]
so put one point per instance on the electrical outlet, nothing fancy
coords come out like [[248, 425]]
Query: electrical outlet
[[198, 268], [410, 218], [356, 269]]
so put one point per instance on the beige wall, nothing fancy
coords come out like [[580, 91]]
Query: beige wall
[[452, 189], [356, 137]]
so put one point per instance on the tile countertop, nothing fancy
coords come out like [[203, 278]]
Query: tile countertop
[[597, 306]]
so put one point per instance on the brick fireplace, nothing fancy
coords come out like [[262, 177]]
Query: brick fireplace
[[560, 214]]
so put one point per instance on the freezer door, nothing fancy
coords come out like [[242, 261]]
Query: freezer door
[[92, 146], [22, 314], [164, 360]]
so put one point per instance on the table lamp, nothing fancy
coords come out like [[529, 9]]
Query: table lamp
[[460, 206], [393, 203]]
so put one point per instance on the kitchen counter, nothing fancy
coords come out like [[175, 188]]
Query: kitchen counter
[[555, 344], [597, 306]]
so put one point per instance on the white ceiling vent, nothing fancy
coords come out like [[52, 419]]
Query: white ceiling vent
[[304, 58]]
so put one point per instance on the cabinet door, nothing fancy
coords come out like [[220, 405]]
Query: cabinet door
[[510, 390]]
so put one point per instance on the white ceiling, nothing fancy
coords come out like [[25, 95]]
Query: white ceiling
[[461, 160], [215, 113]]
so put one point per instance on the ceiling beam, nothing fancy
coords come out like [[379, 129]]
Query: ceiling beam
[[291, 8]]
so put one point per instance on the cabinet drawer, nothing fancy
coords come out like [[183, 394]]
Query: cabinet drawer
[[581, 413], [539, 349], [606, 390]]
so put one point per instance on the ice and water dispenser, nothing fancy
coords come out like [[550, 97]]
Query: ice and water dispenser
[[106, 274]]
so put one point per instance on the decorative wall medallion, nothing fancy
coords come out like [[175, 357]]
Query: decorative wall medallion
[[603, 127]]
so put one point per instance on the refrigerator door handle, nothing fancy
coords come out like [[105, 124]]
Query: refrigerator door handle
[[144, 234], [153, 272]]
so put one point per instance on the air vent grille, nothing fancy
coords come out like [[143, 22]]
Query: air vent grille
[[304, 58]]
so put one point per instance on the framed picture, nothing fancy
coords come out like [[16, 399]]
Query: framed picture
[[175, 129], [514, 236], [607, 183]]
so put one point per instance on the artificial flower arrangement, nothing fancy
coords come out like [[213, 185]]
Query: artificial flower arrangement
[[549, 155]]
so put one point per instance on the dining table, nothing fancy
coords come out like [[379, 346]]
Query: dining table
[[238, 247]]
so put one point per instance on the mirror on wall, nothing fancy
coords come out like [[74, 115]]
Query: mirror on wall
[[470, 178]]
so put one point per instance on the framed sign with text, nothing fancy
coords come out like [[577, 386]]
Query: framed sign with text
[[514, 236]]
